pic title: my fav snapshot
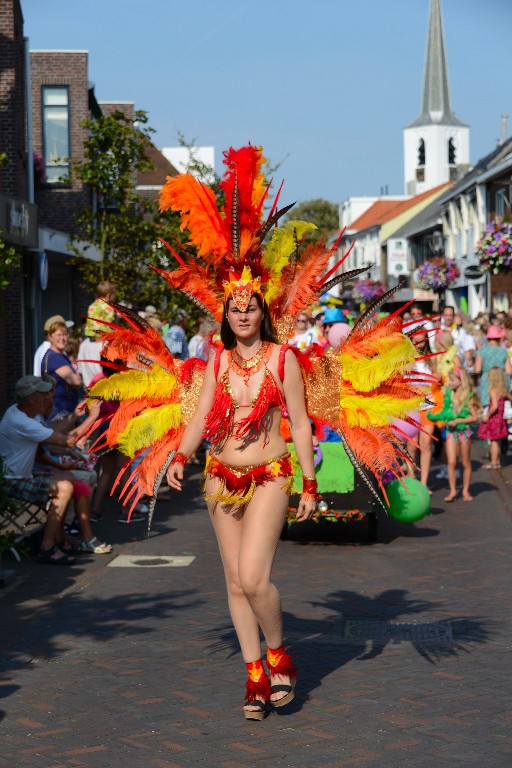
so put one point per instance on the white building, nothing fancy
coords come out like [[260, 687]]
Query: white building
[[184, 157], [436, 144]]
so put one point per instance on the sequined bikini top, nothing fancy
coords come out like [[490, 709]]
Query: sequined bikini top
[[219, 422]]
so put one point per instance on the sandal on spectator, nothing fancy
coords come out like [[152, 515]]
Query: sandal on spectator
[[96, 547], [69, 549], [50, 556]]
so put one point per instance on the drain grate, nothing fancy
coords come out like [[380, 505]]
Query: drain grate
[[387, 631], [159, 561]]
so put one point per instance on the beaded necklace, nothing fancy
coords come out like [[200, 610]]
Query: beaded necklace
[[245, 368]]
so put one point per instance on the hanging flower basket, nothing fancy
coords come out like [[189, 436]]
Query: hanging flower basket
[[437, 274], [366, 290], [495, 248]]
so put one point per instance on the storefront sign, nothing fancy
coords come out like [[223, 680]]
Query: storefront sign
[[18, 220], [397, 257]]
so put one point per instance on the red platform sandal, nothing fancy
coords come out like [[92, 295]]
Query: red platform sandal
[[258, 684], [280, 663]]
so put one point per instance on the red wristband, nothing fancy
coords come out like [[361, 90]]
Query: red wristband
[[310, 489], [180, 458]]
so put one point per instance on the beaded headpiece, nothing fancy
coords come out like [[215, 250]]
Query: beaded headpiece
[[231, 258]]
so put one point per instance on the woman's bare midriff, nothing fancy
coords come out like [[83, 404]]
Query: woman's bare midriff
[[262, 449]]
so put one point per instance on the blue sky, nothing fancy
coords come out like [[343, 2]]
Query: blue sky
[[326, 87]]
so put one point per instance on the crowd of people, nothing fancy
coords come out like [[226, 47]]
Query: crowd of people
[[469, 365]]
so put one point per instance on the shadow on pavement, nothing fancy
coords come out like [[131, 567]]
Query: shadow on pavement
[[359, 628]]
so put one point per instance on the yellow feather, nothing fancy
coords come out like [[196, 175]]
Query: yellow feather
[[146, 428], [156, 384], [376, 410], [392, 355], [279, 249]]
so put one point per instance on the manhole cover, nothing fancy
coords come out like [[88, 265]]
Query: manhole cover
[[158, 561], [386, 631]]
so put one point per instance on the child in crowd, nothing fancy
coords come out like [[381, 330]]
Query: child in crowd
[[494, 426], [460, 410]]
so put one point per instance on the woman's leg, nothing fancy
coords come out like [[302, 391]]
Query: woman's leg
[[411, 450], [495, 452], [425, 441], [465, 455], [247, 546], [451, 459], [109, 465], [227, 523]]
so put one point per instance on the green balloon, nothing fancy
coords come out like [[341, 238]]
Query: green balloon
[[410, 503]]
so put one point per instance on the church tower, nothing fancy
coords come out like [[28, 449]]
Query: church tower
[[436, 142]]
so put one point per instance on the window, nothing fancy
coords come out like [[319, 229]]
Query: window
[[421, 152], [458, 245], [56, 150], [451, 152], [471, 242], [501, 202]]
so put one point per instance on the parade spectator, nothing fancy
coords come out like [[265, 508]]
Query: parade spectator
[[111, 461], [99, 310], [460, 411], [40, 351], [154, 322], [493, 355], [448, 356], [493, 426], [198, 345], [150, 311], [88, 351], [175, 338], [20, 435], [464, 341], [57, 364], [419, 321], [303, 336], [90, 348]]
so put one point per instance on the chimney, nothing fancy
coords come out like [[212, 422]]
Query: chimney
[[504, 128]]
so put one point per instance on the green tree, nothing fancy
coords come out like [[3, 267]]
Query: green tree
[[123, 226], [320, 212]]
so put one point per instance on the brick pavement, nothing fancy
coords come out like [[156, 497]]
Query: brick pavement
[[402, 646]]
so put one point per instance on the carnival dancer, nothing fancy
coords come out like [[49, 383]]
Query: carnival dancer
[[255, 289], [248, 480]]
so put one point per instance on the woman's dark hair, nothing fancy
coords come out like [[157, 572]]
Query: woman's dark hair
[[267, 331]]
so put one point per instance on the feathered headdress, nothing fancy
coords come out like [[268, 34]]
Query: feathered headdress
[[231, 259]]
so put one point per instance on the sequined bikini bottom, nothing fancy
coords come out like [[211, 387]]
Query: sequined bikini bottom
[[239, 483]]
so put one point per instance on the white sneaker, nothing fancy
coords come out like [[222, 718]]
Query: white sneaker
[[442, 474]]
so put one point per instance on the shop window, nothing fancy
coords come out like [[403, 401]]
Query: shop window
[[56, 144], [501, 202]]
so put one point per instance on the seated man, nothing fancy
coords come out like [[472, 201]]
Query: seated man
[[20, 434]]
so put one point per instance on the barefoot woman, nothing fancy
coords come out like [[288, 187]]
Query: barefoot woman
[[248, 480]]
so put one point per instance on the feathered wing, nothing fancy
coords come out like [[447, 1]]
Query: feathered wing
[[156, 399], [359, 388]]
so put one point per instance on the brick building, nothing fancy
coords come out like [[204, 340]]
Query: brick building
[[18, 214]]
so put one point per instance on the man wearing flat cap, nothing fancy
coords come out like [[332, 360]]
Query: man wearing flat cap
[[20, 434]]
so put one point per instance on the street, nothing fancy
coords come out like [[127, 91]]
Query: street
[[403, 646]]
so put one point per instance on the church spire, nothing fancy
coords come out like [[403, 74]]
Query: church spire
[[436, 103]]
